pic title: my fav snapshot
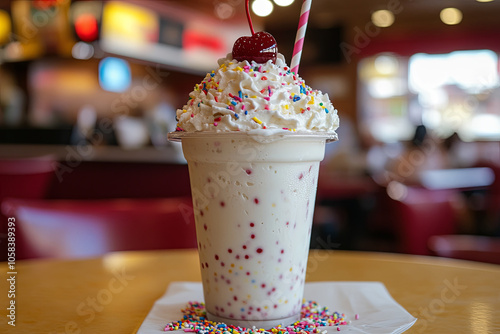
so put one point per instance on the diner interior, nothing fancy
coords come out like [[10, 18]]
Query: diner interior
[[89, 91]]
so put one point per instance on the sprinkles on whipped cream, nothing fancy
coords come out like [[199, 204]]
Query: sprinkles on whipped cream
[[237, 100], [313, 316]]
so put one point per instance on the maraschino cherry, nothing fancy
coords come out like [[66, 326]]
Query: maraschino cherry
[[260, 47]]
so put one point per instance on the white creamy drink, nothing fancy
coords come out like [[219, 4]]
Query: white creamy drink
[[253, 135]]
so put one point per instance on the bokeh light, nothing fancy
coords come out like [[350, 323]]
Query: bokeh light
[[224, 10], [283, 3], [5, 26], [82, 50], [451, 16], [262, 7], [114, 74], [86, 27], [383, 18]]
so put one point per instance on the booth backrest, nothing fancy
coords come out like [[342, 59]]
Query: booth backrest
[[84, 228]]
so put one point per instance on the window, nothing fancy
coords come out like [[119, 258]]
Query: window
[[458, 92]]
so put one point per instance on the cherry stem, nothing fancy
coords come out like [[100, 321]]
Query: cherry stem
[[249, 18]]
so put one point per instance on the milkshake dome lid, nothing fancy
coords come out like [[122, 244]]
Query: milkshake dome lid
[[247, 96]]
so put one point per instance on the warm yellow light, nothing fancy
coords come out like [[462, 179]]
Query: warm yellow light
[[484, 0], [451, 16], [5, 26], [283, 3], [129, 22], [262, 7], [383, 18]]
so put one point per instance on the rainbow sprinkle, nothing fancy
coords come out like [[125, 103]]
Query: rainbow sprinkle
[[256, 120], [313, 316]]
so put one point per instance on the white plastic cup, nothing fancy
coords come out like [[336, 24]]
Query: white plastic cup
[[253, 200]]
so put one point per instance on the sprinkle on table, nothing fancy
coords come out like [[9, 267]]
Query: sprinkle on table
[[313, 317]]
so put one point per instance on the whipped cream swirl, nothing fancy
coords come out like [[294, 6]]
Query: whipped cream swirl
[[243, 96]]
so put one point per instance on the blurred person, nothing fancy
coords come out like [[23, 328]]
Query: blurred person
[[86, 121], [12, 100], [424, 152], [456, 149], [469, 154], [378, 154]]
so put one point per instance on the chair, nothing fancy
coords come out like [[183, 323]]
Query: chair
[[425, 213], [414, 214], [84, 228], [467, 247]]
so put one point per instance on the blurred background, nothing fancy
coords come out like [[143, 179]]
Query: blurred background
[[89, 89]]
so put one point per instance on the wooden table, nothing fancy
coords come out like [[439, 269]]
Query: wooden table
[[114, 293]]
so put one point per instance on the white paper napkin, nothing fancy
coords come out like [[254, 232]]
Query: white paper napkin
[[378, 311]]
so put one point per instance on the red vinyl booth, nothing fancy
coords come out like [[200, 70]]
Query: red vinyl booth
[[423, 213], [85, 228], [26, 178], [412, 215], [467, 247], [23, 178]]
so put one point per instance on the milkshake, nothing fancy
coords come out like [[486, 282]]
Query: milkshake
[[253, 135]]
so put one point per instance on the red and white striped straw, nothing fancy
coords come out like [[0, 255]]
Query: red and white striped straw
[[301, 34]]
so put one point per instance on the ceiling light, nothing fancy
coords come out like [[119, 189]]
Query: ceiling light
[[383, 18], [224, 10], [283, 3], [262, 7], [397, 191], [451, 16], [484, 0]]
